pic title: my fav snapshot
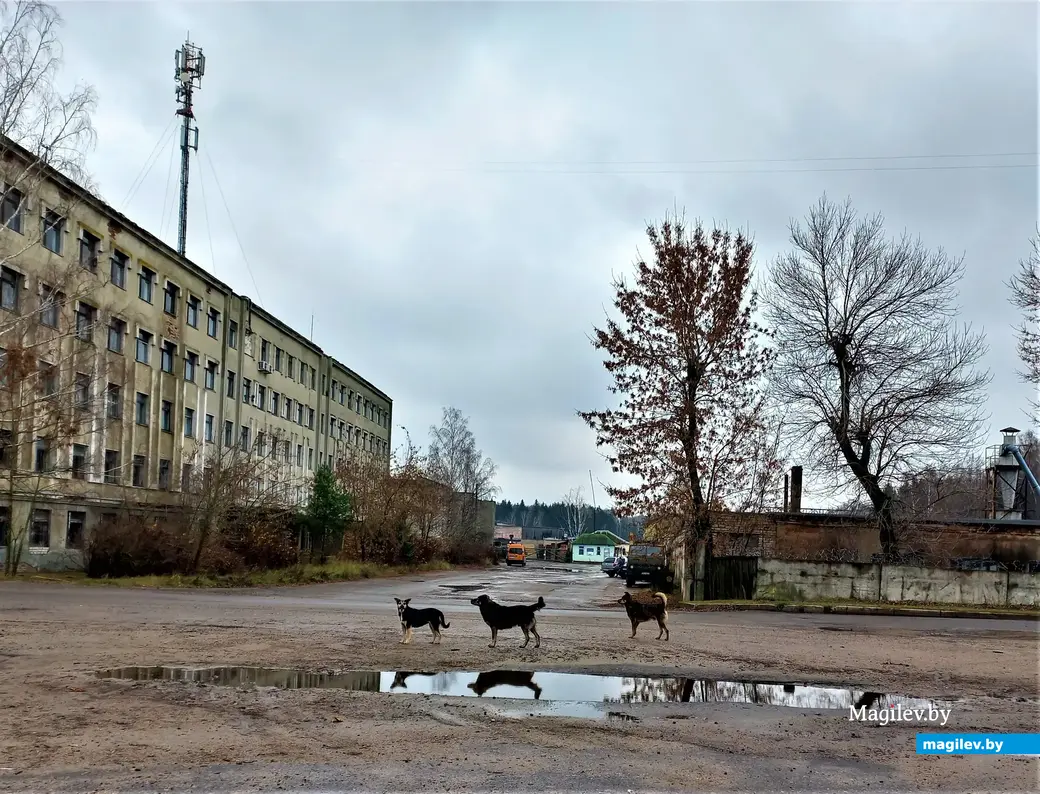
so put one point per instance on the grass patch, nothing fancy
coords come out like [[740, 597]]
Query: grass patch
[[340, 571]]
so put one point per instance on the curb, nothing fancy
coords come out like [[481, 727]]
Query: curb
[[846, 609]]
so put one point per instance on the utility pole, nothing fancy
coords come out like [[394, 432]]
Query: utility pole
[[191, 65]]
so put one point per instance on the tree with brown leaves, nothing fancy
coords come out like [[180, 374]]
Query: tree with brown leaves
[[1025, 294], [688, 362], [880, 381]]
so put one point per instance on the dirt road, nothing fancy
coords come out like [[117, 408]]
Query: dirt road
[[64, 729]]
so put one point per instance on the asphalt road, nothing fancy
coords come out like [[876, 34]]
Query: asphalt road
[[67, 731], [567, 589]]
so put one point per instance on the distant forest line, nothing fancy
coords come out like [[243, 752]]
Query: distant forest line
[[573, 519]]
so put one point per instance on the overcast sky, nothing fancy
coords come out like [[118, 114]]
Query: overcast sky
[[360, 148]]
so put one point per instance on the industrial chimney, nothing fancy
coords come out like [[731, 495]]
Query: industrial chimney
[[796, 489]]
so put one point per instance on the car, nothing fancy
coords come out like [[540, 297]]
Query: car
[[614, 566], [516, 554]]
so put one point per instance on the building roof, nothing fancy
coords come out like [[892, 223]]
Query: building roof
[[601, 538], [167, 250]]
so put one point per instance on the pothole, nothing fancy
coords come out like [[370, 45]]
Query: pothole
[[569, 694]]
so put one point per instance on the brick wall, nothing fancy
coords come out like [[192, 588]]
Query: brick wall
[[849, 539]]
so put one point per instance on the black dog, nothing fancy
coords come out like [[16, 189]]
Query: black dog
[[490, 680], [417, 618], [639, 612], [500, 617]]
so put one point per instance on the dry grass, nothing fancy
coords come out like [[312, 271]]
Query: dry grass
[[339, 571]]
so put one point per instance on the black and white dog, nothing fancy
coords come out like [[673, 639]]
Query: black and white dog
[[417, 618]]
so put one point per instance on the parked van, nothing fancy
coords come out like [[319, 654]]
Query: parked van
[[515, 554]]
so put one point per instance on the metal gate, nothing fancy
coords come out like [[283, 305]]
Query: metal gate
[[731, 578]]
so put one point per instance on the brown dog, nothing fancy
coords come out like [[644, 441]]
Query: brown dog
[[638, 612]]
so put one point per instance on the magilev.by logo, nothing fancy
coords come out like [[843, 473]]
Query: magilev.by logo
[[898, 713]]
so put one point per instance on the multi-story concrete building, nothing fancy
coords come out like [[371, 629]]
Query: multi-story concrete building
[[156, 366]]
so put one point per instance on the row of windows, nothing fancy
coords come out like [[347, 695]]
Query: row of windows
[[40, 529], [53, 231], [86, 319]]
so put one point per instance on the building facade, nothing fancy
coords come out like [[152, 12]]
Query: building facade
[[126, 369]]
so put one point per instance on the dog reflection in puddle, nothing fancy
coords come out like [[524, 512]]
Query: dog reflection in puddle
[[400, 679], [490, 680]]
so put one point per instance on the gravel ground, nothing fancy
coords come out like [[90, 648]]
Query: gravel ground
[[63, 729]]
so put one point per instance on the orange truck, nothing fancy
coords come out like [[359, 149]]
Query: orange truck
[[516, 554]]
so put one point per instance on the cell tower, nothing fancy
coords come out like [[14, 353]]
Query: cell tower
[[191, 65]]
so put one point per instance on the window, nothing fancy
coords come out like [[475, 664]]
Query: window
[[231, 384], [278, 359], [5, 524], [275, 400], [120, 263], [166, 416], [247, 387], [229, 433], [261, 445], [310, 419], [75, 530], [265, 349], [287, 413], [170, 296], [112, 466], [287, 450], [79, 461], [89, 245], [116, 334], [40, 534], [50, 306], [114, 401], [169, 353], [48, 379], [213, 323], [299, 454], [11, 209], [146, 284], [334, 390], [189, 423], [81, 392], [137, 475], [144, 346], [7, 448], [310, 459], [164, 475], [208, 430], [141, 415], [243, 438], [194, 307], [191, 363], [211, 375], [313, 379], [42, 457], [261, 397], [232, 334], [53, 231], [290, 366], [86, 316], [299, 413], [186, 471], [10, 284]]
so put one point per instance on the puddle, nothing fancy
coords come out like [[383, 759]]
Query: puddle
[[561, 693], [462, 588]]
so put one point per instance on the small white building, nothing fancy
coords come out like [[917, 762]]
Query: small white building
[[597, 546]]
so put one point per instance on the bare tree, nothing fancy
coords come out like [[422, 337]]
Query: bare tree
[[1025, 294], [454, 460], [881, 381], [576, 511], [50, 374]]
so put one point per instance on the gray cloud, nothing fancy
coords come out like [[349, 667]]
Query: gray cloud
[[352, 142]]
